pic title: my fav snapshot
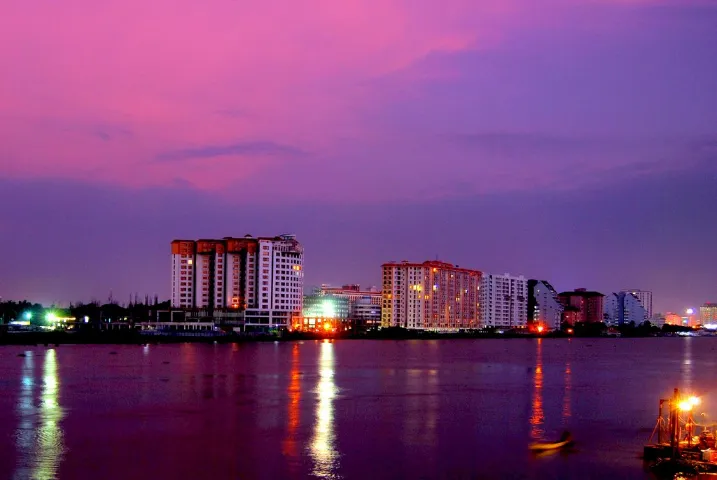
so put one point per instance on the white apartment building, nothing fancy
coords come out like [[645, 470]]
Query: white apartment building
[[645, 298], [431, 295], [544, 307], [260, 277], [503, 301]]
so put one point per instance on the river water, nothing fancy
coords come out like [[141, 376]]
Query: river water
[[343, 409]]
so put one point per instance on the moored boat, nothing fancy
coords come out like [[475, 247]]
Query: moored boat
[[566, 440]]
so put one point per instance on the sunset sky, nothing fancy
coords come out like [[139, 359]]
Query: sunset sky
[[569, 140]]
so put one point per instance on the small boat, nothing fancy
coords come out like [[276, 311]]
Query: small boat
[[565, 440]]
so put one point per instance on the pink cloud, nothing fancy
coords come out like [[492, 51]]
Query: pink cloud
[[161, 70]]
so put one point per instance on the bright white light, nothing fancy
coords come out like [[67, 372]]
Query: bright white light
[[327, 308], [690, 311]]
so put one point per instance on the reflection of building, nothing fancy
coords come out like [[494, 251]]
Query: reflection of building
[[543, 305], [645, 298], [431, 295], [323, 448], [708, 314], [623, 308], [503, 301], [261, 277], [588, 305]]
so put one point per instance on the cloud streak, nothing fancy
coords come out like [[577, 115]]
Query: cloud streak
[[257, 148]]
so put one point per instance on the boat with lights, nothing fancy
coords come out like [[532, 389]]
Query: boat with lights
[[685, 446]]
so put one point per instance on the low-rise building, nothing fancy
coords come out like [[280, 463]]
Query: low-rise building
[[589, 305]]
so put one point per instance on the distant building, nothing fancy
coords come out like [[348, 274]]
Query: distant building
[[365, 313], [631, 309], [503, 301], [328, 306], [260, 277], [353, 292], [588, 305], [544, 307], [431, 295], [323, 312], [658, 320], [708, 314], [674, 319], [623, 308], [611, 309], [645, 298]]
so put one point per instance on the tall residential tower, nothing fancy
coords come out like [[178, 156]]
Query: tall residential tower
[[431, 295], [261, 277], [504, 301]]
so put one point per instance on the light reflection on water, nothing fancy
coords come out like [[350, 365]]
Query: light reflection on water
[[567, 410], [39, 437], [687, 364], [323, 444], [291, 441], [422, 403], [537, 417]]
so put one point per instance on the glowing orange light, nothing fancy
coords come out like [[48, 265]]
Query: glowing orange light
[[327, 326], [570, 330], [540, 328]]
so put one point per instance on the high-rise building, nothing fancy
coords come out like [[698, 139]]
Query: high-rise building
[[611, 308], [645, 298], [261, 277], [623, 308], [588, 305], [631, 309], [544, 307], [431, 295], [708, 314], [503, 301]]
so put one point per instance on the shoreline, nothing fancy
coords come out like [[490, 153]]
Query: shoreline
[[135, 338]]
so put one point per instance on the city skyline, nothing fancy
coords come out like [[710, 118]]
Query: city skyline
[[570, 141]]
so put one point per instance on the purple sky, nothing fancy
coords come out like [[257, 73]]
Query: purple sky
[[570, 140]]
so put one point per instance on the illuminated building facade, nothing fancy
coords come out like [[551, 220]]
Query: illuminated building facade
[[504, 301], [432, 295], [708, 314], [364, 305], [261, 277], [672, 318], [544, 308], [586, 306], [353, 292], [323, 312]]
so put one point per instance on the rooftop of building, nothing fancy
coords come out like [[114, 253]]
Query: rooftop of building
[[431, 264], [581, 292]]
